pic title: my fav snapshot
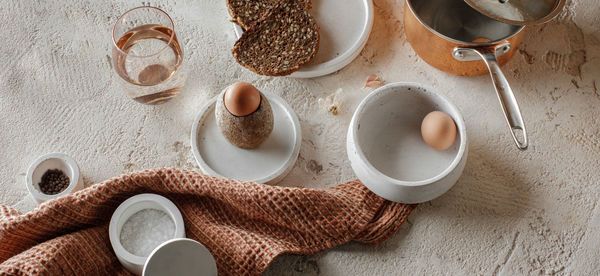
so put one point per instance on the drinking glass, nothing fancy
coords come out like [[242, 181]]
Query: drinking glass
[[147, 55]]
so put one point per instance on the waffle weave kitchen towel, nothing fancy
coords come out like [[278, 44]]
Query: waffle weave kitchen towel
[[244, 225]]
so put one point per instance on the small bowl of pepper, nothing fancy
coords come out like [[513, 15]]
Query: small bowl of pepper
[[53, 175]]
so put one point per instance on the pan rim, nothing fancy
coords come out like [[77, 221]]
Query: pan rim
[[460, 42]]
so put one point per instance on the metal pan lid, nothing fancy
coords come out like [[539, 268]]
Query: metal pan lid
[[519, 12]]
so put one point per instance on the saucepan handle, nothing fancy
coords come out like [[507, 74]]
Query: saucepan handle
[[505, 95]]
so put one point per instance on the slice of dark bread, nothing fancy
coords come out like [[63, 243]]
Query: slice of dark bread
[[249, 12], [284, 40]]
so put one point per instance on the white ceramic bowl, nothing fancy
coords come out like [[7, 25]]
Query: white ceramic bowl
[[386, 149], [180, 257], [134, 204], [49, 162]]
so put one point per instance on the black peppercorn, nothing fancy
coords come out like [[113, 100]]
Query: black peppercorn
[[54, 182]]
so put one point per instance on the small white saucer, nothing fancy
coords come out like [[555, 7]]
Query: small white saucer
[[269, 163], [344, 28]]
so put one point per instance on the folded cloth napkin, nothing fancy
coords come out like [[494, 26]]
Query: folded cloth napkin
[[244, 225]]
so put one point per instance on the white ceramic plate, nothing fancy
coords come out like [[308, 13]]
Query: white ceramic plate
[[344, 27], [269, 163]]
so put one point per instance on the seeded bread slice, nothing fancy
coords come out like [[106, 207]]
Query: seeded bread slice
[[286, 39], [249, 12]]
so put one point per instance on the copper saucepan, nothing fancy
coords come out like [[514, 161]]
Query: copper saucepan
[[453, 37]]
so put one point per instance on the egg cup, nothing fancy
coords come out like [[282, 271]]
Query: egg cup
[[248, 131]]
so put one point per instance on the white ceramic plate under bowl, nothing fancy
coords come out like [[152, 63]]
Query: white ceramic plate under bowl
[[344, 28], [269, 163], [386, 149]]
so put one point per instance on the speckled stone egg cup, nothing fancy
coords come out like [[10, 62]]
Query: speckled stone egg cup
[[246, 132]]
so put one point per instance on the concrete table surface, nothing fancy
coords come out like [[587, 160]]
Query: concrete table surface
[[512, 212]]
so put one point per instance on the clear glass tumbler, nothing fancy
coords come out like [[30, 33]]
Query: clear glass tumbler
[[147, 55]]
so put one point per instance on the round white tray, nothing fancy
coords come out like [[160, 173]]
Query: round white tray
[[344, 27], [269, 163]]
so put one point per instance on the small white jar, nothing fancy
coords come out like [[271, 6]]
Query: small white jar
[[134, 204], [50, 162]]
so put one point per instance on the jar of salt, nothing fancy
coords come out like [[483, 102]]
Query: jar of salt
[[139, 225], [145, 230]]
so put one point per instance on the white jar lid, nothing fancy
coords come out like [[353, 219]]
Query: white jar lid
[[180, 257]]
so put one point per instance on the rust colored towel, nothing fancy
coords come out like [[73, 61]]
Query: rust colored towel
[[244, 225]]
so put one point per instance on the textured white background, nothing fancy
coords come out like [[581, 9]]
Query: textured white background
[[510, 213]]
